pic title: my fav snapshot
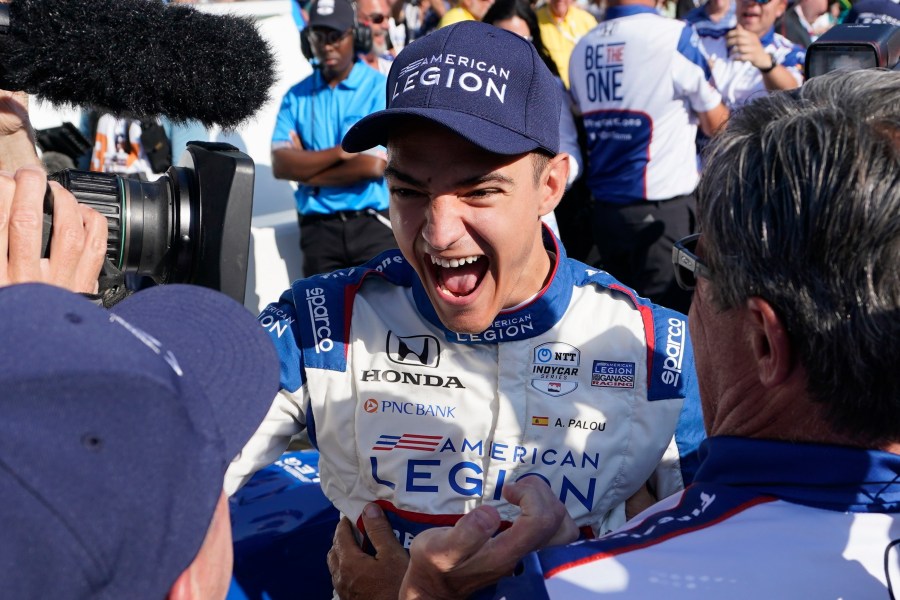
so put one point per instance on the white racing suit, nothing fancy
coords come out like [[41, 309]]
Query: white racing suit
[[582, 387]]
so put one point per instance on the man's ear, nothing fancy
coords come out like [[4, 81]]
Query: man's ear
[[553, 182], [183, 588], [770, 343], [209, 574]]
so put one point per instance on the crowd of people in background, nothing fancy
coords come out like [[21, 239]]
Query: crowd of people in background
[[426, 135], [744, 49], [741, 49]]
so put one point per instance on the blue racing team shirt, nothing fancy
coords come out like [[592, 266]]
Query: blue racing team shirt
[[320, 116], [763, 519]]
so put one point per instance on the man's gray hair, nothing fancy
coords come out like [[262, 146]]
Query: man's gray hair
[[800, 205]]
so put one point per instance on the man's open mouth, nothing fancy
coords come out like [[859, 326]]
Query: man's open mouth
[[459, 277]]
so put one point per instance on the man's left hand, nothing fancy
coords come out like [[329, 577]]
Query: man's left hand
[[359, 576]]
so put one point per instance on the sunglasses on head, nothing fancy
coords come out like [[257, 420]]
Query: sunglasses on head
[[687, 264]]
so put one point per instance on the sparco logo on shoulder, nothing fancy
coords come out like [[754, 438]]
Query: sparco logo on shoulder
[[318, 316], [674, 352]]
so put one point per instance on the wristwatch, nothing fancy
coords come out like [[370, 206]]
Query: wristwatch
[[770, 67]]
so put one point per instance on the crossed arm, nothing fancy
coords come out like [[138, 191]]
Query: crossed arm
[[330, 167]]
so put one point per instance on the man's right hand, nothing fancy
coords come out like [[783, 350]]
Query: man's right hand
[[453, 562], [78, 243]]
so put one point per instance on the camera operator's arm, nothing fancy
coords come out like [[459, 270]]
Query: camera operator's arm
[[16, 135], [78, 243], [358, 168]]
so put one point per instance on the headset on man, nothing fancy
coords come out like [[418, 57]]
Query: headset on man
[[362, 39]]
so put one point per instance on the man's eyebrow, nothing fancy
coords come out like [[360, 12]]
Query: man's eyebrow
[[493, 176], [393, 173]]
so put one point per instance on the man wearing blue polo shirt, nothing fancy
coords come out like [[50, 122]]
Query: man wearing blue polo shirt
[[341, 198]]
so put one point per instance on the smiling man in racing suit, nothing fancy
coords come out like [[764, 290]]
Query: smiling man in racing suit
[[432, 378]]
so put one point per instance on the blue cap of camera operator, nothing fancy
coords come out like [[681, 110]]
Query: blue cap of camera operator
[[116, 433], [485, 84], [333, 14], [874, 12]]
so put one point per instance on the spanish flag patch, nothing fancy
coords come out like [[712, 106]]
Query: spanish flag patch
[[540, 421]]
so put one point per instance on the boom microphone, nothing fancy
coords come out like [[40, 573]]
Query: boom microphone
[[136, 57]]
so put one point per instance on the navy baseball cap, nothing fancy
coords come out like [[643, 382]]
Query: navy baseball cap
[[117, 427], [485, 84], [874, 12], [333, 14]]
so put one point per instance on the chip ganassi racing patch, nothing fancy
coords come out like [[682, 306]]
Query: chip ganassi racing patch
[[608, 373]]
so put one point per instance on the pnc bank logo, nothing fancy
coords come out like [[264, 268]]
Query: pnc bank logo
[[371, 405], [418, 350]]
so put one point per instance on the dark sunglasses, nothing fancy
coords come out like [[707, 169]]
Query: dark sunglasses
[[378, 18], [686, 263], [326, 37]]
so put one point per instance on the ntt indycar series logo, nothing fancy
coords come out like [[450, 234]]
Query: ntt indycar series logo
[[554, 368]]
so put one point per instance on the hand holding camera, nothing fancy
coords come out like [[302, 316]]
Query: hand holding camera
[[78, 242]]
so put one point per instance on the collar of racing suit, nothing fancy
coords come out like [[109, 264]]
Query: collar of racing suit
[[525, 321], [822, 476]]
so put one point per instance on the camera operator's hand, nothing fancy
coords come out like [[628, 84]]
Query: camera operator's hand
[[78, 243], [16, 135]]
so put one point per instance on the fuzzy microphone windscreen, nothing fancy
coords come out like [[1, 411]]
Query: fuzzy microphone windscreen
[[137, 58]]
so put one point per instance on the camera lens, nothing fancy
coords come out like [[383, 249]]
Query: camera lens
[[155, 227], [149, 222]]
